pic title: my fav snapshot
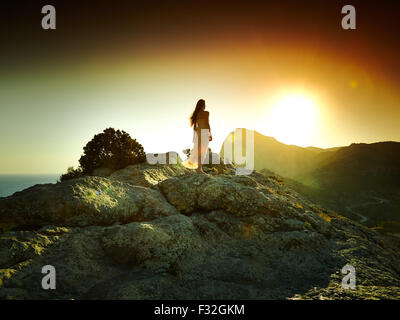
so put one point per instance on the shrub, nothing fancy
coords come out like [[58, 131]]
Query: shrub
[[113, 149], [71, 174]]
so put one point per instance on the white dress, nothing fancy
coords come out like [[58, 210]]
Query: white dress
[[192, 161]]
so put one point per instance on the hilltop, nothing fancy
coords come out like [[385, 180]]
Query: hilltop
[[164, 232]]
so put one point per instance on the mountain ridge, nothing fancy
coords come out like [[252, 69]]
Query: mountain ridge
[[338, 178]]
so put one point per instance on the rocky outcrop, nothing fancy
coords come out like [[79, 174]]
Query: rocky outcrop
[[82, 202], [147, 175], [164, 232], [238, 195]]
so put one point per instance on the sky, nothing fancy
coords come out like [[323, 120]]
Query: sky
[[284, 68]]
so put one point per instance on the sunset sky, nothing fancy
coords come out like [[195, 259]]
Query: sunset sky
[[142, 67]]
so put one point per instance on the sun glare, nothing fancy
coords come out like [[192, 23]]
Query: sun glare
[[292, 119]]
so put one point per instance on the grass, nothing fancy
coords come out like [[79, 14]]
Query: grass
[[325, 216]]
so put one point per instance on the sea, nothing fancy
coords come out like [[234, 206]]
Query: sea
[[10, 183]]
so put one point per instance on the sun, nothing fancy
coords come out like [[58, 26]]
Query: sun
[[293, 119]]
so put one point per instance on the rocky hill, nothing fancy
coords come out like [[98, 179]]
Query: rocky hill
[[164, 232], [362, 180], [360, 166], [286, 160]]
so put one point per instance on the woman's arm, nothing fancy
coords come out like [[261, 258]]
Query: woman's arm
[[208, 126]]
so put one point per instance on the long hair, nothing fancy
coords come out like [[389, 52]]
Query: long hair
[[199, 106]]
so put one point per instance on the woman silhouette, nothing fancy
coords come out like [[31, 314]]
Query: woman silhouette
[[201, 136]]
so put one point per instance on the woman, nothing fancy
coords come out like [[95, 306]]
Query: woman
[[201, 136]]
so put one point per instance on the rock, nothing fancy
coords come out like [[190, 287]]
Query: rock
[[157, 244], [147, 175], [163, 232], [82, 202], [27, 246], [201, 192], [14, 294], [182, 192], [294, 225]]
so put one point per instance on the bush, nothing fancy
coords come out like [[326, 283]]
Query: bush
[[113, 149], [71, 174]]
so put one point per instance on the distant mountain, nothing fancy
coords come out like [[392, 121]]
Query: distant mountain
[[358, 166], [286, 160], [361, 180], [269, 153]]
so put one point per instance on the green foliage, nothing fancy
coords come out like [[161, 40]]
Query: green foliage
[[71, 174], [113, 149]]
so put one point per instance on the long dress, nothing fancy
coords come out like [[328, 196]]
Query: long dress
[[192, 161]]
